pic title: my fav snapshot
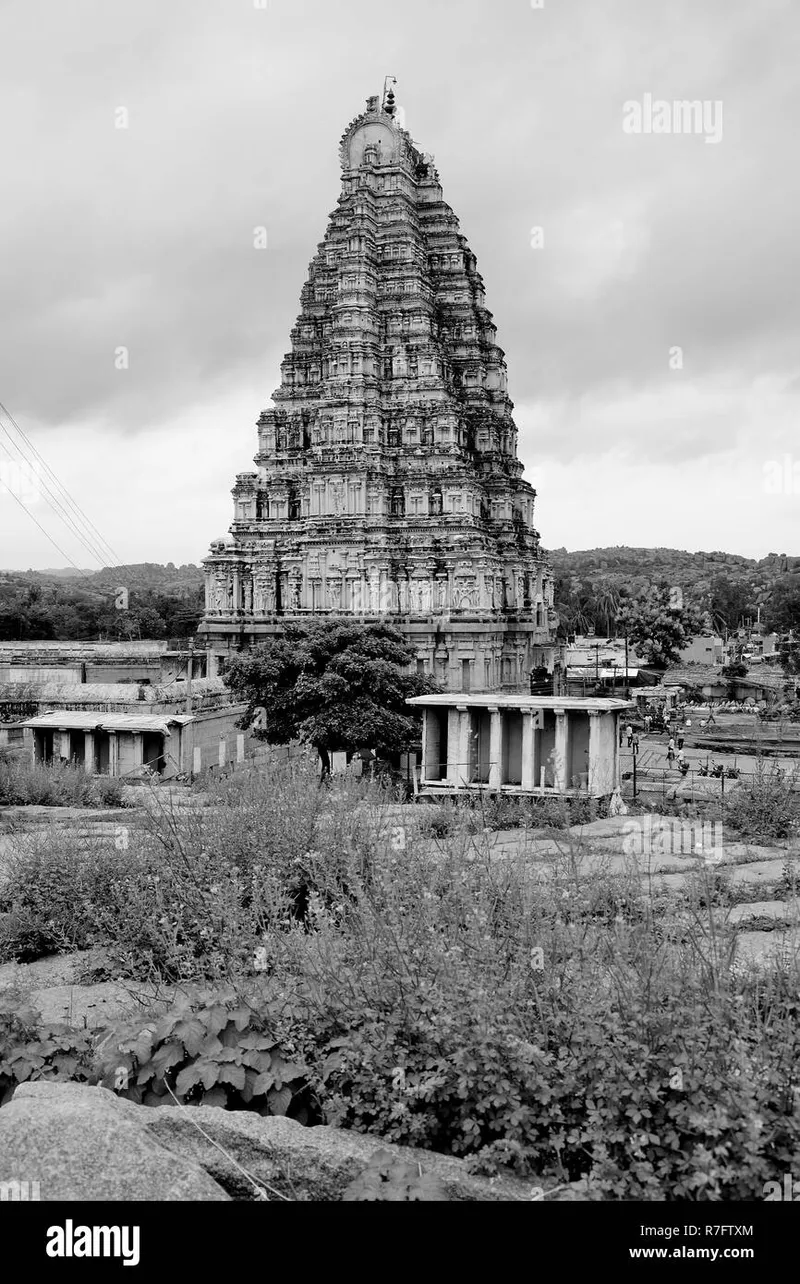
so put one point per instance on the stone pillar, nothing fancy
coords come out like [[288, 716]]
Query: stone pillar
[[463, 744], [595, 750], [453, 741], [429, 744], [237, 601], [240, 747], [88, 752], [458, 745], [223, 751], [113, 754], [560, 760], [64, 746], [529, 723], [138, 749], [495, 748], [197, 760]]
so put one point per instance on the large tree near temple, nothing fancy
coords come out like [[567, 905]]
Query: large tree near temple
[[658, 624], [336, 685]]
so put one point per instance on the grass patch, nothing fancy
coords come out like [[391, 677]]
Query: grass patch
[[24, 784]]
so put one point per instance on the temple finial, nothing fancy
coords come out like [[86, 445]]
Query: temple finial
[[389, 105]]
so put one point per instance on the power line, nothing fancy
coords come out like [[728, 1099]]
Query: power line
[[42, 529], [52, 501], [93, 548], [102, 543], [92, 533]]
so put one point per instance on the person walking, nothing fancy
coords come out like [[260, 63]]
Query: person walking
[[680, 740], [671, 751], [635, 742], [648, 722], [629, 732]]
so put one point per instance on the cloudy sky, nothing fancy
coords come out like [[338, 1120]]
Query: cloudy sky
[[651, 324]]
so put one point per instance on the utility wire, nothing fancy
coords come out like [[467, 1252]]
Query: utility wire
[[42, 529], [53, 502], [92, 533], [103, 544]]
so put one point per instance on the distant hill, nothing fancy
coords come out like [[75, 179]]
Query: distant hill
[[163, 602], [137, 575], [729, 587], [658, 560]]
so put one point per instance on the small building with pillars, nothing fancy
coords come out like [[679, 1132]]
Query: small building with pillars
[[112, 744], [138, 743], [513, 744]]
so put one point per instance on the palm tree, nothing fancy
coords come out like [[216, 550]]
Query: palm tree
[[607, 604]]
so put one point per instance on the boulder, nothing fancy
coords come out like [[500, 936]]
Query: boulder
[[84, 1143], [314, 1164]]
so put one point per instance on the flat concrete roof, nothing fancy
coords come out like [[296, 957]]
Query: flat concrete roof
[[588, 671], [575, 703], [78, 720]]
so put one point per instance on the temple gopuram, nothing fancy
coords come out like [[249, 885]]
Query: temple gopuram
[[388, 484]]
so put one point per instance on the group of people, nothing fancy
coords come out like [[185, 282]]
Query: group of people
[[675, 752], [681, 756]]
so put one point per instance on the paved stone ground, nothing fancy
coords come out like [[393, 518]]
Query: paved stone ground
[[755, 888]]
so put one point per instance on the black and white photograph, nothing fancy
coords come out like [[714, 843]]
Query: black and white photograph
[[399, 621]]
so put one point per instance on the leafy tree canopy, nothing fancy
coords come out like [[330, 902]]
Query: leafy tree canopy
[[336, 685], [784, 611], [658, 630]]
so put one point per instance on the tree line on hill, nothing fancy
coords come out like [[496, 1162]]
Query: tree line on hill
[[594, 588], [36, 607]]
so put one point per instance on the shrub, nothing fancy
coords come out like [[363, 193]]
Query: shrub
[[566, 1029], [387, 1178], [211, 1049], [54, 895], [543, 1016], [30, 1051], [191, 897], [55, 785], [765, 808]]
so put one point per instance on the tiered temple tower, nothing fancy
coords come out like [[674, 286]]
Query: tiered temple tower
[[388, 483]]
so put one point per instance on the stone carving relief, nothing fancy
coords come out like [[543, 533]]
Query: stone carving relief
[[334, 592], [374, 590], [337, 497], [466, 593], [264, 592]]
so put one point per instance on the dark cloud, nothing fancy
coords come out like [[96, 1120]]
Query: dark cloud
[[143, 237]]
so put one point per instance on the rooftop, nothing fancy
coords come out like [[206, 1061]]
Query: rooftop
[[490, 701], [71, 720]]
